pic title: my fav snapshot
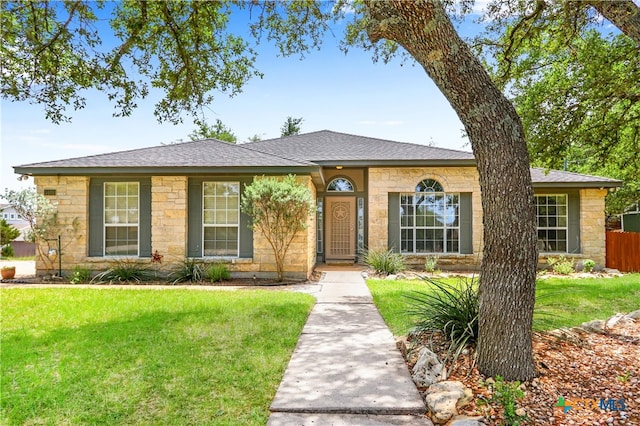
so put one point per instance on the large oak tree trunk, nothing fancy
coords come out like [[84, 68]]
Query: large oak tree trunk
[[507, 276], [624, 14]]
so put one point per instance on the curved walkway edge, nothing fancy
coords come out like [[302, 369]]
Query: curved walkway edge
[[346, 369]]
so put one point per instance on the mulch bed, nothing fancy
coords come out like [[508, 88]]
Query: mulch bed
[[597, 367]]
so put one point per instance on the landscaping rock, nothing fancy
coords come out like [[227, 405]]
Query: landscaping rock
[[467, 421], [595, 326], [634, 315], [444, 398], [617, 318], [403, 346], [428, 369]]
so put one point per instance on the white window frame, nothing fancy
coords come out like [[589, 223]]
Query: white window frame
[[119, 224], [541, 243], [220, 225]]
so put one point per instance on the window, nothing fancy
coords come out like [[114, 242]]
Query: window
[[429, 220], [319, 227], [551, 218], [340, 185], [221, 218], [121, 218]]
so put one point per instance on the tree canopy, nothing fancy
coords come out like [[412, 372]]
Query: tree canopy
[[291, 126], [214, 131], [575, 84]]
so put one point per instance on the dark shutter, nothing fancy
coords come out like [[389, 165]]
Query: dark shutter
[[466, 223], [194, 215], [394, 222], [573, 222], [246, 232], [145, 218], [96, 208]]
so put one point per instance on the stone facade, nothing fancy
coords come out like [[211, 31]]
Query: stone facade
[[169, 222], [382, 181], [592, 224], [70, 201], [168, 231]]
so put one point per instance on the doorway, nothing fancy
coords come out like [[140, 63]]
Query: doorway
[[340, 228]]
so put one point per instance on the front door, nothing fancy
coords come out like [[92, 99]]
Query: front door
[[341, 228]]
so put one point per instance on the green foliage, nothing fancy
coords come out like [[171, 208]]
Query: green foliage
[[588, 265], [384, 261], [53, 51], [44, 224], [8, 232], [80, 275], [431, 263], [124, 272], [217, 272], [561, 265], [213, 131], [506, 394], [291, 126], [6, 251], [279, 209], [447, 308], [189, 270], [579, 100], [139, 348]]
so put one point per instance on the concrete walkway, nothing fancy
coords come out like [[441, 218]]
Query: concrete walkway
[[346, 369]]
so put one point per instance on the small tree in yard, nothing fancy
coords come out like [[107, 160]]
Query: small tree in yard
[[279, 209], [44, 224]]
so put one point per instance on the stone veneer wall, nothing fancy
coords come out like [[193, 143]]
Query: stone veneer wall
[[169, 216], [592, 224], [168, 229], [384, 180], [72, 193]]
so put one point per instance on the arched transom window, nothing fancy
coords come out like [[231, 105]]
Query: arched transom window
[[340, 185], [429, 219]]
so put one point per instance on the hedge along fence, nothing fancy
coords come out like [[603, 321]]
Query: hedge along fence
[[623, 251]]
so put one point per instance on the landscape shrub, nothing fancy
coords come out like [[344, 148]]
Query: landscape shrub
[[431, 263], [588, 265], [561, 265], [217, 272], [189, 270], [124, 271], [447, 308], [80, 275], [6, 251], [384, 261]]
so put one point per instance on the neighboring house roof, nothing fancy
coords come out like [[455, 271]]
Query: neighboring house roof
[[299, 153]]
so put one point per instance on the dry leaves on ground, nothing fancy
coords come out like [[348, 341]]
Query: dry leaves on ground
[[596, 371]]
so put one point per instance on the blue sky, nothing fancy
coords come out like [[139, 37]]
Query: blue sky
[[330, 90]]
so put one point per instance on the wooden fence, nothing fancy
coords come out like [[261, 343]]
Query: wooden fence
[[623, 251]]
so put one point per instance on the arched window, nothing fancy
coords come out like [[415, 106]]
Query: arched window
[[429, 185], [429, 219], [340, 185]]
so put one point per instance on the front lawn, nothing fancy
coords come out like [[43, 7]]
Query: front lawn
[[564, 302], [110, 356]]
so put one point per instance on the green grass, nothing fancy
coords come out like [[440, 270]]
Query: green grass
[[110, 356], [564, 302]]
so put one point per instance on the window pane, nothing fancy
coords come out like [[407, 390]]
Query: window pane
[[220, 241], [121, 241]]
